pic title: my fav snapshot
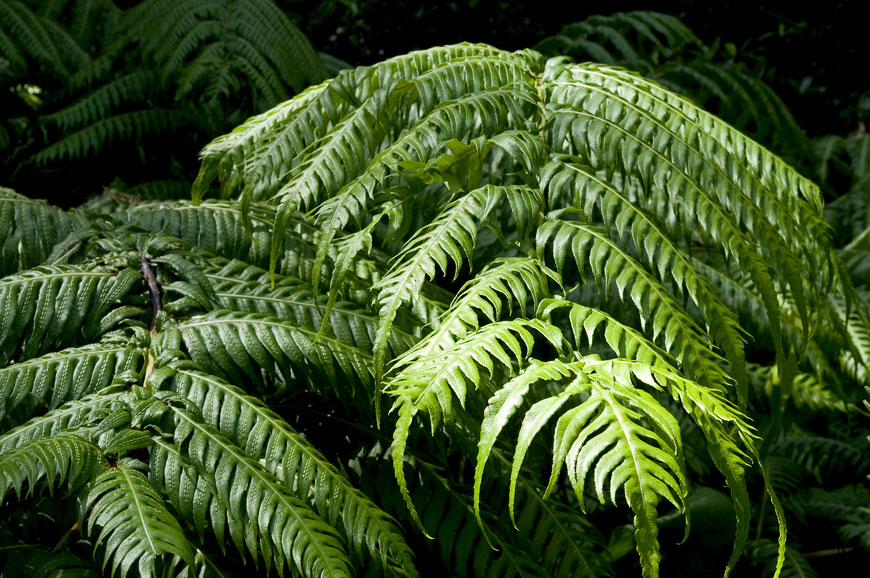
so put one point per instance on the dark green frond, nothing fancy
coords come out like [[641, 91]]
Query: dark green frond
[[54, 307], [30, 229], [70, 374], [128, 517], [207, 475], [51, 461], [298, 464]]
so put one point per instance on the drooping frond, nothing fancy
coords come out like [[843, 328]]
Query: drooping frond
[[603, 434], [661, 314], [297, 463], [129, 517], [661, 47], [591, 191], [504, 281]]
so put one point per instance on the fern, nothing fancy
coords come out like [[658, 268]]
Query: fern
[[539, 266]]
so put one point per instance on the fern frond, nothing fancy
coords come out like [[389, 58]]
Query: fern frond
[[247, 289], [604, 430], [87, 411], [612, 266], [259, 512], [297, 463], [513, 280], [135, 526], [51, 461], [71, 373], [589, 190], [127, 126], [253, 36], [587, 111], [241, 345], [101, 102], [451, 235], [30, 229], [53, 307]]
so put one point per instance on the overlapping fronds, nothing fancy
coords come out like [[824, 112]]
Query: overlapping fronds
[[543, 266], [106, 74], [206, 474], [620, 181], [296, 462], [241, 345], [52, 307], [62, 458], [70, 374]]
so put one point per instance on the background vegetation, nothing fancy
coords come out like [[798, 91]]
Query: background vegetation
[[106, 106]]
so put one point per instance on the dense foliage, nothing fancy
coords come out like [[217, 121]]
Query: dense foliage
[[400, 304]]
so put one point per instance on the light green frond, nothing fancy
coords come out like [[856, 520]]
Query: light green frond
[[53, 307], [210, 480], [661, 315], [298, 464], [510, 280], [702, 161], [429, 384], [619, 434], [50, 461], [127, 516], [591, 191], [70, 374], [441, 244]]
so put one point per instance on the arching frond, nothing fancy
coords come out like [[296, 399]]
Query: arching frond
[[240, 345], [87, 411], [658, 308]]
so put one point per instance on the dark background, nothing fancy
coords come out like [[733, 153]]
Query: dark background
[[814, 55]]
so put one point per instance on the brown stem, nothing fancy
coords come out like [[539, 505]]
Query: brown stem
[[153, 290], [64, 538]]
